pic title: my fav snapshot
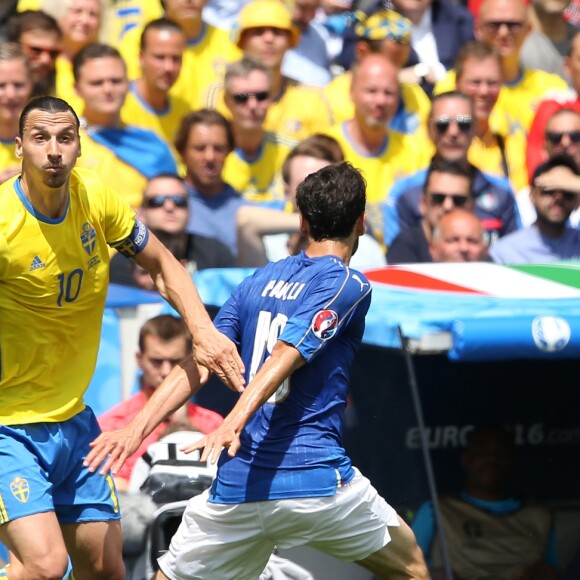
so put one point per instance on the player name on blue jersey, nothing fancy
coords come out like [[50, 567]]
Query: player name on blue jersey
[[282, 290]]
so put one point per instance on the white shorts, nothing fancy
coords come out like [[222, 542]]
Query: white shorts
[[234, 542]]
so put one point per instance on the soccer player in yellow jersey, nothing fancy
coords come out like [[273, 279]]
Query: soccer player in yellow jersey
[[504, 25], [385, 32], [265, 32], [15, 91], [149, 104], [55, 225], [254, 167], [208, 50], [380, 153]]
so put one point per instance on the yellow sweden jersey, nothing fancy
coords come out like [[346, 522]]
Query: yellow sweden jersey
[[487, 156], [114, 172], [398, 158], [165, 124], [53, 283], [300, 111], [65, 85], [517, 101], [125, 15], [416, 103], [260, 179]]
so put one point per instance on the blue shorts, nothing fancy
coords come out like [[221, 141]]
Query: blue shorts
[[42, 470]]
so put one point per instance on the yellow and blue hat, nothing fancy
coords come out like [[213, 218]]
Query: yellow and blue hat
[[265, 13], [385, 24]]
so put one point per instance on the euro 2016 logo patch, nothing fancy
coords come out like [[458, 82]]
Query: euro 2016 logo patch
[[88, 238], [20, 489], [324, 324], [550, 333]]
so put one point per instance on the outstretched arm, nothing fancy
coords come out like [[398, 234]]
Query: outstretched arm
[[113, 447], [285, 359], [252, 224], [212, 349]]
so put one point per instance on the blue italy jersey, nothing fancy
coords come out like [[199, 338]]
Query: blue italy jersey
[[292, 445]]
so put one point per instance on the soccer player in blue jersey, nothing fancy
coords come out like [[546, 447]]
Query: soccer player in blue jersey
[[55, 228], [284, 478]]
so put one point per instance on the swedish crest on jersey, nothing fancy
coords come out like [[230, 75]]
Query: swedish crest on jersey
[[20, 489], [88, 238]]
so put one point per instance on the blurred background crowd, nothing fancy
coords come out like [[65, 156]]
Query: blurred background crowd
[[206, 114]]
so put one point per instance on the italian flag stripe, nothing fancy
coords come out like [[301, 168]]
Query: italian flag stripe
[[484, 279]]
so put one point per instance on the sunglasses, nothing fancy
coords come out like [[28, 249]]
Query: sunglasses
[[464, 122], [243, 98], [439, 199], [555, 137], [567, 195], [157, 201], [38, 50], [494, 26]]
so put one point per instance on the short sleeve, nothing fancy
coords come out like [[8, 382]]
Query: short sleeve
[[335, 301]]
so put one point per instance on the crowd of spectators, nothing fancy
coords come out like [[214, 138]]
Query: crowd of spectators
[[221, 93]]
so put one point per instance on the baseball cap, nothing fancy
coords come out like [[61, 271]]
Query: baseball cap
[[265, 13], [559, 160], [385, 24]]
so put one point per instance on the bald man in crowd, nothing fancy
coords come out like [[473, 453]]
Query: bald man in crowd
[[458, 237]]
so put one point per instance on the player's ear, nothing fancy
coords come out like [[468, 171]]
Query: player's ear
[[139, 359], [18, 148], [304, 229], [361, 224]]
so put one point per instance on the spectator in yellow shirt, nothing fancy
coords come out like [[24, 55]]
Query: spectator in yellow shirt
[[388, 33], [495, 148], [15, 91], [265, 32], [504, 25], [80, 22], [254, 167], [208, 51], [125, 156], [380, 153], [149, 103]]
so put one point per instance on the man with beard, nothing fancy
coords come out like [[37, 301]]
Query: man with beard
[[40, 38], [550, 238]]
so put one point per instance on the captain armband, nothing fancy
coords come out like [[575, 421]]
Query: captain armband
[[135, 242]]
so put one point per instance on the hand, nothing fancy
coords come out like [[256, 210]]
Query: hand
[[217, 353], [112, 448], [559, 178], [224, 436], [335, 6]]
